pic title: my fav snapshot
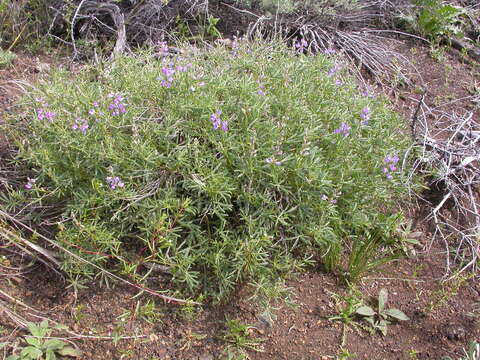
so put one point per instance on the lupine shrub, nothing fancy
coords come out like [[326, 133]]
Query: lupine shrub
[[225, 166]]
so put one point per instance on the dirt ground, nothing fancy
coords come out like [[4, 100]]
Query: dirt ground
[[444, 315]]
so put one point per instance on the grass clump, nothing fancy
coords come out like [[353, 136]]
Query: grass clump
[[223, 166]]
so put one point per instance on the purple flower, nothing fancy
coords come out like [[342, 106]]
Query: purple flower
[[163, 48], [215, 120], [278, 163], [95, 104], [301, 45], [117, 106], [168, 72], [30, 183], [338, 82], [45, 114], [261, 92], [91, 112], [324, 197], [390, 161], [365, 115], [332, 71], [269, 160], [224, 126], [343, 129], [329, 51], [80, 124], [114, 182]]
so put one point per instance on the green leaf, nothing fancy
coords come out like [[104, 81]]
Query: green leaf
[[55, 344], [50, 355], [61, 327], [69, 351], [33, 341], [382, 299], [13, 357], [397, 314], [365, 311], [31, 352]]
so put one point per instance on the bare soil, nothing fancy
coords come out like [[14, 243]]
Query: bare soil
[[444, 314]]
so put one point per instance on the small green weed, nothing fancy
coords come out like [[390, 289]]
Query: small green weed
[[437, 19], [379, 319], [238, 336], [472, 353], [41, 345], [6, 58], [347, 306]]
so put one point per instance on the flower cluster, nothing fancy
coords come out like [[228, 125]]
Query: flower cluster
[[163, 48], [301, 45], [343, 129], [390, 168], [217, 122], [168, 71], [81, 125], [235, 46], [117, 106], [43, 113], [114, 182], [365, 115], [30, 183]]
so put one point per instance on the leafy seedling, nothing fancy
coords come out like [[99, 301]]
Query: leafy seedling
[[41, 346], [380, 319]]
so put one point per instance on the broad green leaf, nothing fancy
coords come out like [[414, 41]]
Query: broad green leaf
[[365, 311], [69, 351], [13, 357], [61, 327], [382, 300], [55, 344], [397, 314], [33, 341], [50, 355], [31, 352], [34, 329]]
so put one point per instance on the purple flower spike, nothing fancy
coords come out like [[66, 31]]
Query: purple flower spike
[[390, 161], [365, 115], [215, 120], [344, 129], [225, 126]]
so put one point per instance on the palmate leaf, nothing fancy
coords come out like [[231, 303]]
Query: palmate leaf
[[396, 314]]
